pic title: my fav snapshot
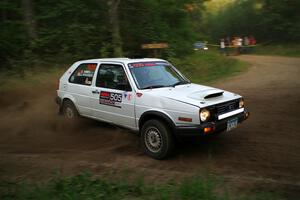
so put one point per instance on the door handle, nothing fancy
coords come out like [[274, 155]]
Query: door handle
[[95, 92]]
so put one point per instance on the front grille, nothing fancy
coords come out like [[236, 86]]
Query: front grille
[[222, 108], [227, 107]]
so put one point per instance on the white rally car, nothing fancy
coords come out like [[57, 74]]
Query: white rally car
[[149, 96]]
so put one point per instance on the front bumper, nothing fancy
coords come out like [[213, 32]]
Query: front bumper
[[214, 127]]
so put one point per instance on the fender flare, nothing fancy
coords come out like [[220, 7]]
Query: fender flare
[[155, 114]]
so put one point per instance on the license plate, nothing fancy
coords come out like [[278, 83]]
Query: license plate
[[232, 124]]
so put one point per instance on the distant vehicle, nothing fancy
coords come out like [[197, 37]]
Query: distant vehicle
[[200, 46], [149, 96]]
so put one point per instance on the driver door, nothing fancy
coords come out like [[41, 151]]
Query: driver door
[[113, 99]]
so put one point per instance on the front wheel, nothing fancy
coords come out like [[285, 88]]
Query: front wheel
[[157, 140]]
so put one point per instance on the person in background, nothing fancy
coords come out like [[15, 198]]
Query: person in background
[[222, 46], [239, 44], [227, 45], [234, 44], [252, 42], [246, 43], [233, 41]]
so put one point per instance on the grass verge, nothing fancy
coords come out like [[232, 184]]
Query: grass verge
[[84, 186], [208, 66], [291, 50], [30, 77]]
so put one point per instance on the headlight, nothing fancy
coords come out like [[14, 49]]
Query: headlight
[[204, 115], [241, 103]]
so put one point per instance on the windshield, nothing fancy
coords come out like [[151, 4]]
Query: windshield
[[148, 75]]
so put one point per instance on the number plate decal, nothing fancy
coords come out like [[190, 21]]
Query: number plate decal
[[232, 124], [110, 99]]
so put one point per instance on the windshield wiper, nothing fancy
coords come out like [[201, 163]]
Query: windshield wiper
[[154, 86], [173, 85], [180, 83]]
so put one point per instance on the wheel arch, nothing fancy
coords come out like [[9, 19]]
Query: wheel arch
[[68, 98], [156, 115]]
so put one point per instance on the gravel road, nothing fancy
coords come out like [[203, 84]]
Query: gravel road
[[263, 152]]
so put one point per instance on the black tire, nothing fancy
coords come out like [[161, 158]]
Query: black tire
[[157, 139], [69, 110]]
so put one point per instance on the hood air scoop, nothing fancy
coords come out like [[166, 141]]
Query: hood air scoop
[[213, 95], [206, 94]]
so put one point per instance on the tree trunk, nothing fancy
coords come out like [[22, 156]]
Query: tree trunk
[[28, 12], [115, 27]]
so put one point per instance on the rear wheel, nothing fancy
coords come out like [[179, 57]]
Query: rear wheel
[[69, 110], [157, 140]]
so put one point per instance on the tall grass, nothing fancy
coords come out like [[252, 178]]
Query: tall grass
[[84, 186], [30, 77]]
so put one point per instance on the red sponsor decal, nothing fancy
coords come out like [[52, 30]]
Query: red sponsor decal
[[104, 94], [150, 64], [145, 64], [110, 99], [137, 65]]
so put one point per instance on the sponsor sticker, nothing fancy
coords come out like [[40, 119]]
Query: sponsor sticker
[[146, 64], [127, 96], [110, 99]]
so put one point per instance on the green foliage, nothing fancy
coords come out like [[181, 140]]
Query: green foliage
[[156, 21], [12, 40], [84, 186], [69, 30], [201, 189], [268, 20]]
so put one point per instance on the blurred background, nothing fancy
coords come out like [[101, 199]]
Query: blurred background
[[35, 32], [40, 39]]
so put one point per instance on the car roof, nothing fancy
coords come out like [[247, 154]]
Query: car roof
[[122, 60]]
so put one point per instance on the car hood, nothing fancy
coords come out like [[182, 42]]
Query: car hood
[[194, 94]]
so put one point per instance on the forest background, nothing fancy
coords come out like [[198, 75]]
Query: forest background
[[35, 32]]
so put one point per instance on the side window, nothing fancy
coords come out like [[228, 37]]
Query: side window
[[112, 77], [83, 74]]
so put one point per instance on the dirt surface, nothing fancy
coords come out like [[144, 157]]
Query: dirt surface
[[262, 153]]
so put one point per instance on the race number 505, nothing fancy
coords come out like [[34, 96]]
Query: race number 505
[[116, 97]]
